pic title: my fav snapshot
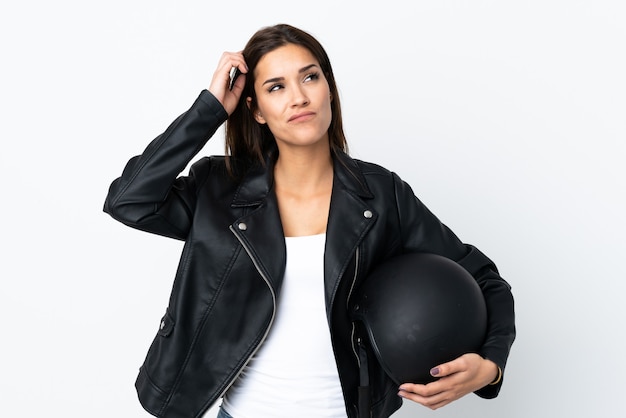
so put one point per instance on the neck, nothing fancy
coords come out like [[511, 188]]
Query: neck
[[303, 171]]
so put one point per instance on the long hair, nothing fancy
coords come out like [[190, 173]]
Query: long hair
[[250, 143]]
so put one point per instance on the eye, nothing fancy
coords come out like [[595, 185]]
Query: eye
[[312, 77], [275, 87]]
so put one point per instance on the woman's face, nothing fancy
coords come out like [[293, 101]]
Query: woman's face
[[293, 97]]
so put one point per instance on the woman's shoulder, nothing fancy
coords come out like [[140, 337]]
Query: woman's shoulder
[[373, 171], [380, 177], [209, 163], [225, 172], [371, 168], [220, 165], [219, 168]]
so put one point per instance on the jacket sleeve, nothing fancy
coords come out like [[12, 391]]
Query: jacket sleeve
[[148, 195], [424, 232]]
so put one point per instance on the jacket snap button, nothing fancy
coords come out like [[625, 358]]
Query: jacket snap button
[[242, 226], [368, 214]]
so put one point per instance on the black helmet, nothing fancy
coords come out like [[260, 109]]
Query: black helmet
[[420, 310]]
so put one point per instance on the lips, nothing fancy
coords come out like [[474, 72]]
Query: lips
[[302, 117]]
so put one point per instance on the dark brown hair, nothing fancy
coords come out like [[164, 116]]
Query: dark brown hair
[[248, 142]]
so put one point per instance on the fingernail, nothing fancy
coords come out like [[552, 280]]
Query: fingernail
[[434, 371]]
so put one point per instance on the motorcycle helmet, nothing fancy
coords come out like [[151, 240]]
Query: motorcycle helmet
[[420, 310]]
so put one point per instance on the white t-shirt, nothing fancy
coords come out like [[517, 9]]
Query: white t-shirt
[[293, 374]]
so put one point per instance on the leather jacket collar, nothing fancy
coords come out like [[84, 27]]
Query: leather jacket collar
[[258, 182], [348, 207]]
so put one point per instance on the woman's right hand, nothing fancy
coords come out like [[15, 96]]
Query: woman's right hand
[[220, 84]]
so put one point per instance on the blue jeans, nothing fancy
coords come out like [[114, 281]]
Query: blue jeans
[[223, 414]]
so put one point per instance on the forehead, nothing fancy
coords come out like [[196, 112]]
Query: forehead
[[284, 60]]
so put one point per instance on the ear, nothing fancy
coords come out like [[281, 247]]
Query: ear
[[255, 112]]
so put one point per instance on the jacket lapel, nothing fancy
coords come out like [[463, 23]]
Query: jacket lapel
[[349, 220], [259, 229]]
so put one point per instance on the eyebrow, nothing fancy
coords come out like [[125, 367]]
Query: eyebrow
[[300, 71]]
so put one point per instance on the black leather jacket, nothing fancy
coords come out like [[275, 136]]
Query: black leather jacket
[[224, 295]]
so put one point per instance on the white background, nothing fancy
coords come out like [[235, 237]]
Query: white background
[[507, 118]]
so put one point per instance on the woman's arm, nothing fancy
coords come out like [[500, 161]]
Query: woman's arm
[[475, 372], [148, 195]]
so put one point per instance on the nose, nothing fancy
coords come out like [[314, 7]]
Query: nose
[[300, 98]]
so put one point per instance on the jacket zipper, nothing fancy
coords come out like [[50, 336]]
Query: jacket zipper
[[353, 331], [356, 268], [254, 261], [267, 330]]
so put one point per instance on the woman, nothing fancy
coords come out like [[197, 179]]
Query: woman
[[277, 235]]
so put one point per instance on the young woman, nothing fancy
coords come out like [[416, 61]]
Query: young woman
[[278, 233]]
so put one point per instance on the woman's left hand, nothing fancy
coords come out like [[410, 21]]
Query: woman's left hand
[[457, 378]]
